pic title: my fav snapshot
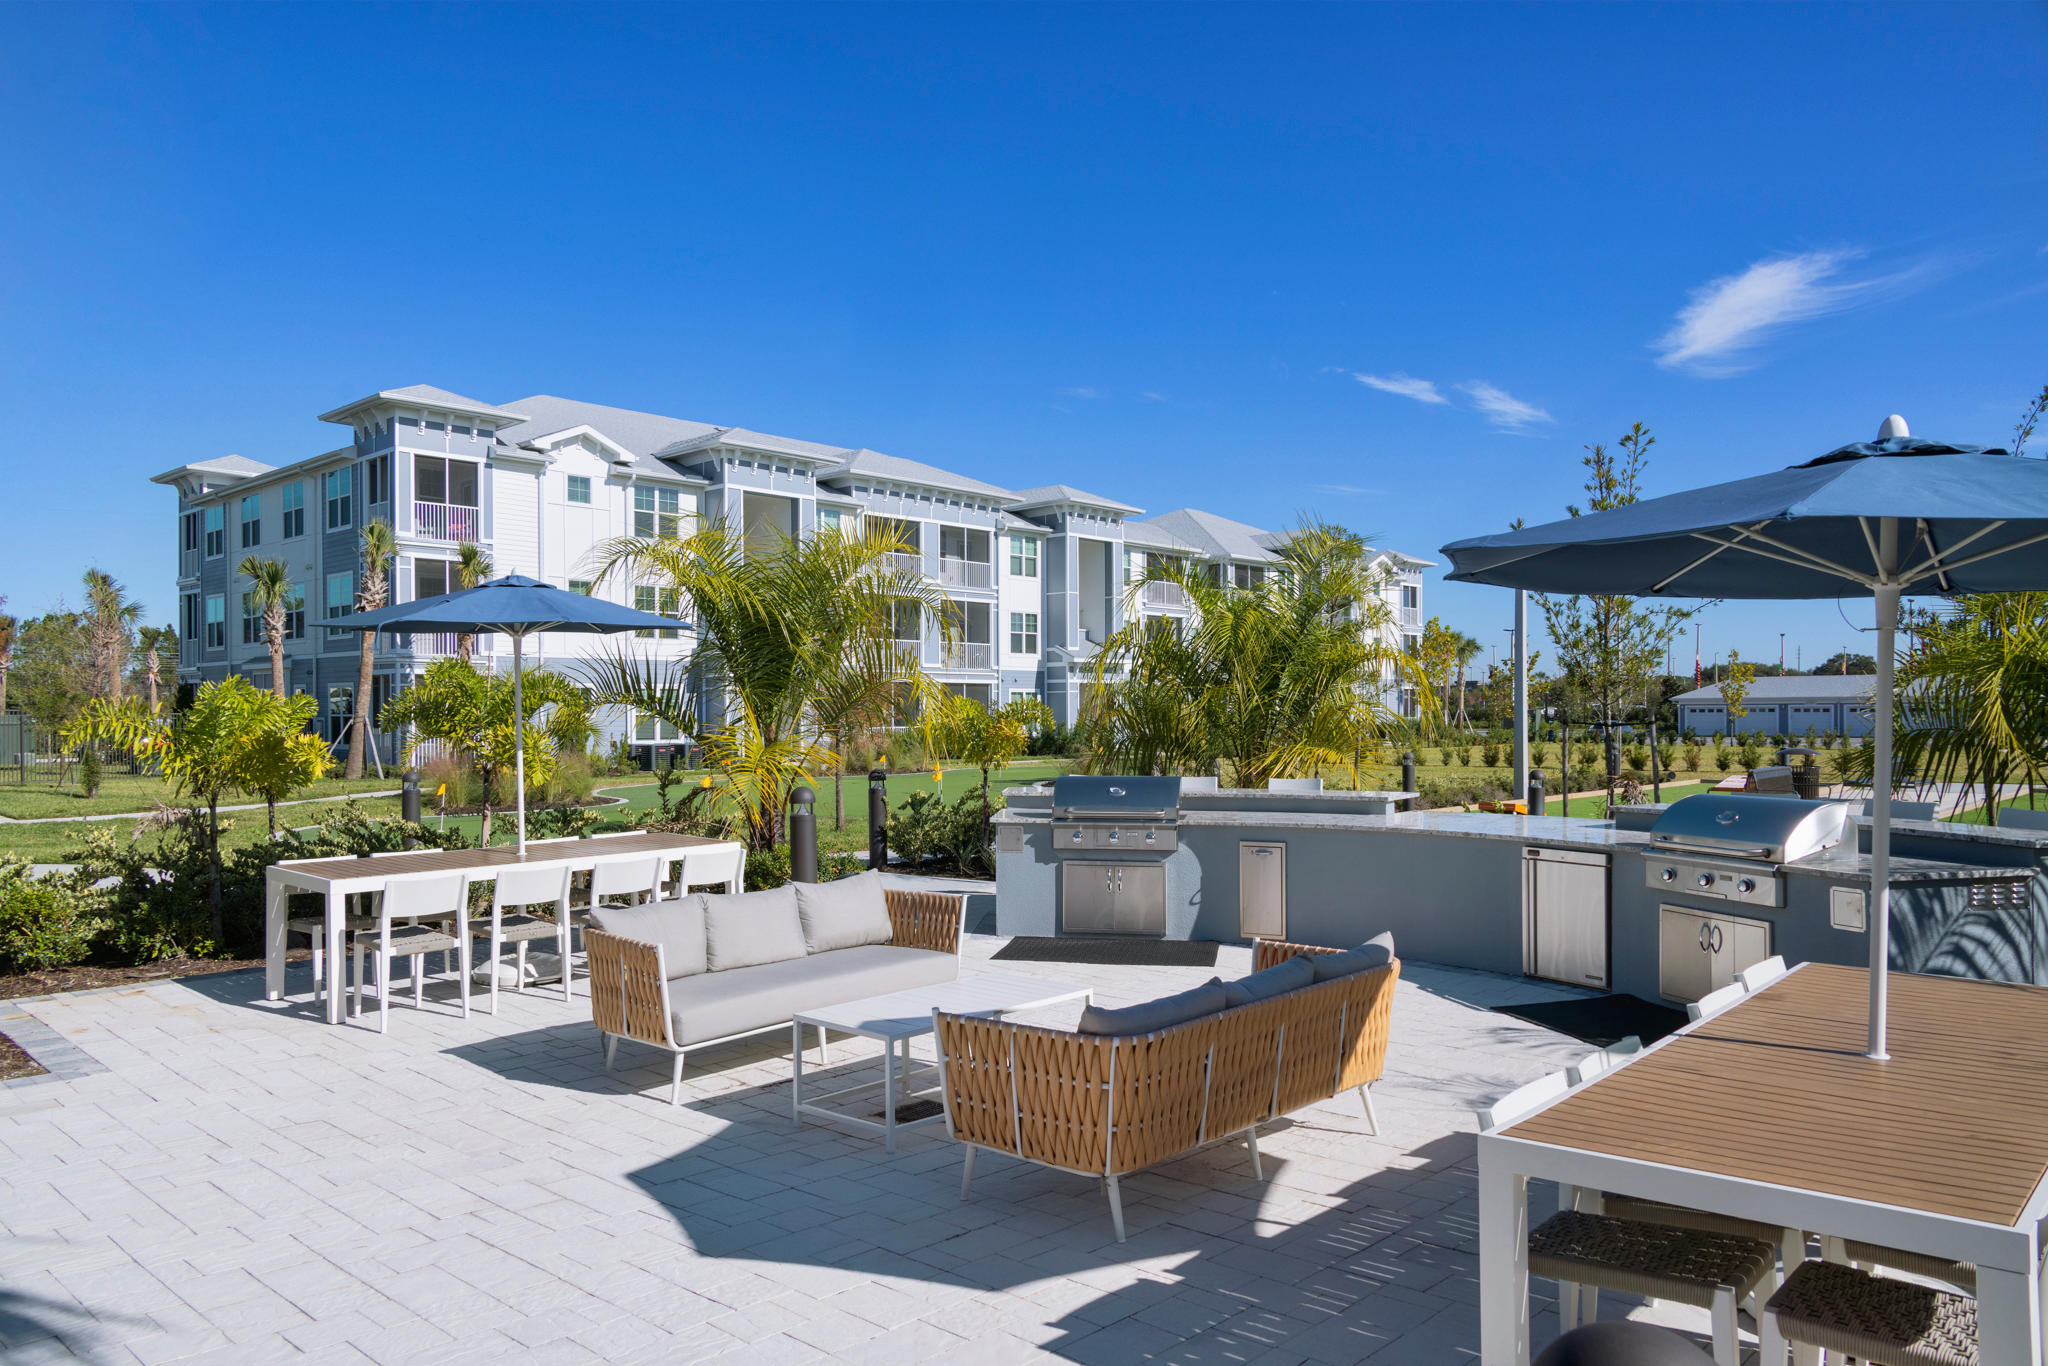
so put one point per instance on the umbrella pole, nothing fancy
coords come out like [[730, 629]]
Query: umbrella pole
[[1880, 933], [518, 744]]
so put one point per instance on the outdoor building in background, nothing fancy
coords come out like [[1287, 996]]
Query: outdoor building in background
[[1788, 705], [1038, 579]]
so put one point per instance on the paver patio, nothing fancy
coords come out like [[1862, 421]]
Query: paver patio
[[236, 1181]]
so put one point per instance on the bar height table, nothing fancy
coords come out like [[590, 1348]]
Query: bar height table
[[337, 879], [1770, 1111]]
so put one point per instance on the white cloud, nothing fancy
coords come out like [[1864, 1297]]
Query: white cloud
[[1725, 318], [1082, 391], [1349, 490], [1153, 395], [1502, 408], [1421, 390]]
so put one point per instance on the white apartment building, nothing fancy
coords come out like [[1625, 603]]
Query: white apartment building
[[1038, 578]]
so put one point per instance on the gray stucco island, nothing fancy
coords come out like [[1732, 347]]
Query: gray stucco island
[[1469, 890]]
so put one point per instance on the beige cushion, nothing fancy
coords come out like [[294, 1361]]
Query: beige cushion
[[1150, 1016], [1375, 952], [1292, 975], [676, 925], [740, 1000], [844, 914], [746, 929]]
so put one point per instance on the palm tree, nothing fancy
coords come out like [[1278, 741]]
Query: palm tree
[[379, 549], [795, 639], [1464, 649], [151, 640], [110, 624], [9, 630], [472, 567], [270, 588], [1279, 678]]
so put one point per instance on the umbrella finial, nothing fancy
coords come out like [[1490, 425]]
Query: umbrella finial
[[1892, 426]]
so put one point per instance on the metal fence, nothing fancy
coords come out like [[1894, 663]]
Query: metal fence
[[29, 757]]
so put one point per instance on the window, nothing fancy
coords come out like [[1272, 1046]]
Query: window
[[432, 578], [656, 512], [216, 621], [1019, 694], [1247, 575], [1024, 556], [216, 531], [437, 479], [665, 602], [341, 709], [189, 617], [652, 730], [1023, 633], [295, 613], [252, 620], [583, 586], [1411, 596], [252, 521], [831, 520], [579, 488], [377, 480], [341, 600], [294, 510], [191, 541], [904, 621], [341, 510]]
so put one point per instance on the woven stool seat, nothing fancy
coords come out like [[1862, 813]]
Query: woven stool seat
[[1870, 1317], [1658, 1261], [1960, 1274], [514, 928], [1678, 1216], [407, 940]]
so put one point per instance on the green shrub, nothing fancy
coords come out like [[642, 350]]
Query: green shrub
[[1539, 755], [1464, 756], [915, 826], [1667, 756], [1751, 756], [1694, 756], [1590, 755], [561, 822], [1723, 760], [49, 922], [1439, 793], [1638, 758], [906, 751], [1489, 754]]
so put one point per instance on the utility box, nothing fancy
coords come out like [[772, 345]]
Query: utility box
[[1261, 890]]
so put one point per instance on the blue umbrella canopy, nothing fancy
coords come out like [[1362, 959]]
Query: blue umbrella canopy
[[512, 604], [1879, 518]]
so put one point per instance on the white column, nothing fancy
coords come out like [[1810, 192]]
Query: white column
[[1879, 930], [1521, 693]]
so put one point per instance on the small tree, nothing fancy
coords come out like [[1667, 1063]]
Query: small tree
[[472, 567], [989, 739], [1735, 685], [380, 547], [283, 756], [270, 588]]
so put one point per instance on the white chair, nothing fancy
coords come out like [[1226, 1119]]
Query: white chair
[[1714, 1002], [543, 886], [1524, 1100], [444, 900], [314, 927], [713, 865], [1604, 1060], [1757, 976], [626, 879]]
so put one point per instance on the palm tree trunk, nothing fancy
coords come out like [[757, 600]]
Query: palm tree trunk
[[359, 734], [273, 630], [839, 795]]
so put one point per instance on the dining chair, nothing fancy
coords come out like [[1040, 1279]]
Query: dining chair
[[1714, 1002], [1759, 975], [442, 900], [1603, 1060], [1828, 1307], [713, 865], [314, 927], [547, 885], [625, 879], [1587, 1252]]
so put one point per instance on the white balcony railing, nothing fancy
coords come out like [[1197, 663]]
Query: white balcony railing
[[966, 573], [445, 522], [969, 655], [1410, 617], [438, 643], [1162, 594], [907, 564]]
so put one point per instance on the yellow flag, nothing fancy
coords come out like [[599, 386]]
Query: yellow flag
[[706, 782], [937, 776], [441, 791]]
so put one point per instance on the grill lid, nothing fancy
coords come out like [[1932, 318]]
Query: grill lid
[[1088, 797], [1741, 825]]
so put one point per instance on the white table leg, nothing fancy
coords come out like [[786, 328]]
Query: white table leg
[[336, 908], [1503, 1265], [796, 1072], [889, 1094], [2008, 1316], [275, 897]]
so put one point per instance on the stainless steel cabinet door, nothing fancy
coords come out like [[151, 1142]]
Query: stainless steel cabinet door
[[1261, 890], [1565, 917], [1088, 897], [1748, 943], [1685, 954], [1141, 898]]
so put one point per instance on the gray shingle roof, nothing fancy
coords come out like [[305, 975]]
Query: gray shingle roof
[[1213, 537], [746, 439], [427, 396], [895, 468], [1151, 536], [240, 466], [641, 433], [1067, 493], [1818, 688]]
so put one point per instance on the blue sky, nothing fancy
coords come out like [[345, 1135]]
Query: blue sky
[[1391, 266]]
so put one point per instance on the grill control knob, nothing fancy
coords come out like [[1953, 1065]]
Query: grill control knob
[[1668, 875], [1705, 880], [1745, 885]]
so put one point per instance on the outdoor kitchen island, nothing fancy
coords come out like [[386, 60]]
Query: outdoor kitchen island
[[1566, 898]]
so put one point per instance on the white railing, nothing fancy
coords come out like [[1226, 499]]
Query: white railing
[[907, 564], [1162, 594], [1410, 617], [444, 522], [969, 655], [188, 563], [966, 573], [435, 642]]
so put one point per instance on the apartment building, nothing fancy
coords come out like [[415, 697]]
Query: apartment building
[[1037, 579]]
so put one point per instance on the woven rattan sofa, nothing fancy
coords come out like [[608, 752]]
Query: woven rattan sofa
[[1108, 1105], [704, 969]]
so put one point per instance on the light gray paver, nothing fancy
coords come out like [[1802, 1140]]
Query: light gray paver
[[227, 1179]]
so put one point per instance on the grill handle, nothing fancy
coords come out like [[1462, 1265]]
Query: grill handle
[[1761, 851]]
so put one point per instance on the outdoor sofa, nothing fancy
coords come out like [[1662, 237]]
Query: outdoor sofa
[[1132, 1088], [706, 968]]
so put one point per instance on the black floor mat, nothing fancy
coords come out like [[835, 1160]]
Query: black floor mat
[[1148, 953], [1602, 1020]]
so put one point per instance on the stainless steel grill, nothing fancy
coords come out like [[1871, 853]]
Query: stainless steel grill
[[1730, 846], [1098, 825]]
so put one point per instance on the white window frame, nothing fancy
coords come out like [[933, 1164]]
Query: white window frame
[[1023, 555], [578, 483], [1023, 633], [339, 487], [294, 498]]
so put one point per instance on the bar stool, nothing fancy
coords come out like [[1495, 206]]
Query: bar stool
[[437, 899], [526, 887], [1827, 1307]]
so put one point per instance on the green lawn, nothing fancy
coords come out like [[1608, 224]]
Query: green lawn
[[120, 792], [1977, 816], [50, 843]]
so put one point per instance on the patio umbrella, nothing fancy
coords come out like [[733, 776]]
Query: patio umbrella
[[516, 607], [1876, 519]]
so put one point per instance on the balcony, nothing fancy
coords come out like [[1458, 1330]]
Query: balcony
[[446, 522], [966, 573], [969, 654], [1161, 594], [1410, 618], [188, 564], [910, 563], [438, 643]]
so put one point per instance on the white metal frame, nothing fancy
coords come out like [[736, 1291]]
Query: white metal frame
[[516, 887], [2008, 1258], [413, 899]]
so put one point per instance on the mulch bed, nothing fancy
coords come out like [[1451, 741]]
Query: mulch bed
[[50, 981], [15, 1063]]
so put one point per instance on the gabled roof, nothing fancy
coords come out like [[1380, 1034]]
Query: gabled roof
[[1152, 536], [1049, 494], [1010, 521], [641, 433], [1816, 688], [741, 438], [895, 469], [421, 396], [221, 466], [1213, 537]]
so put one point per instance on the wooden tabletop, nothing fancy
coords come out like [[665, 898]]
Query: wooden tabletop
[[1776, 1089], [476, 860]]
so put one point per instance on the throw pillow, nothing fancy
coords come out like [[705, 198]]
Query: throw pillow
[[676, 925], [1375, 952], [1292, 975], [844, 914], [1151, 1016], [746, 928]]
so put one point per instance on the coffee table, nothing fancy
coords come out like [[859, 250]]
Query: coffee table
[[899, 1017]]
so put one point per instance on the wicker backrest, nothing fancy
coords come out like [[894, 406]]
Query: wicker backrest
[[1311, 1042], [1368, 1023], [628, 994], [1157, 1087], [1270, 953], [1062, 1088], [1244, 1066], [925, 920], [980, 1078]]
